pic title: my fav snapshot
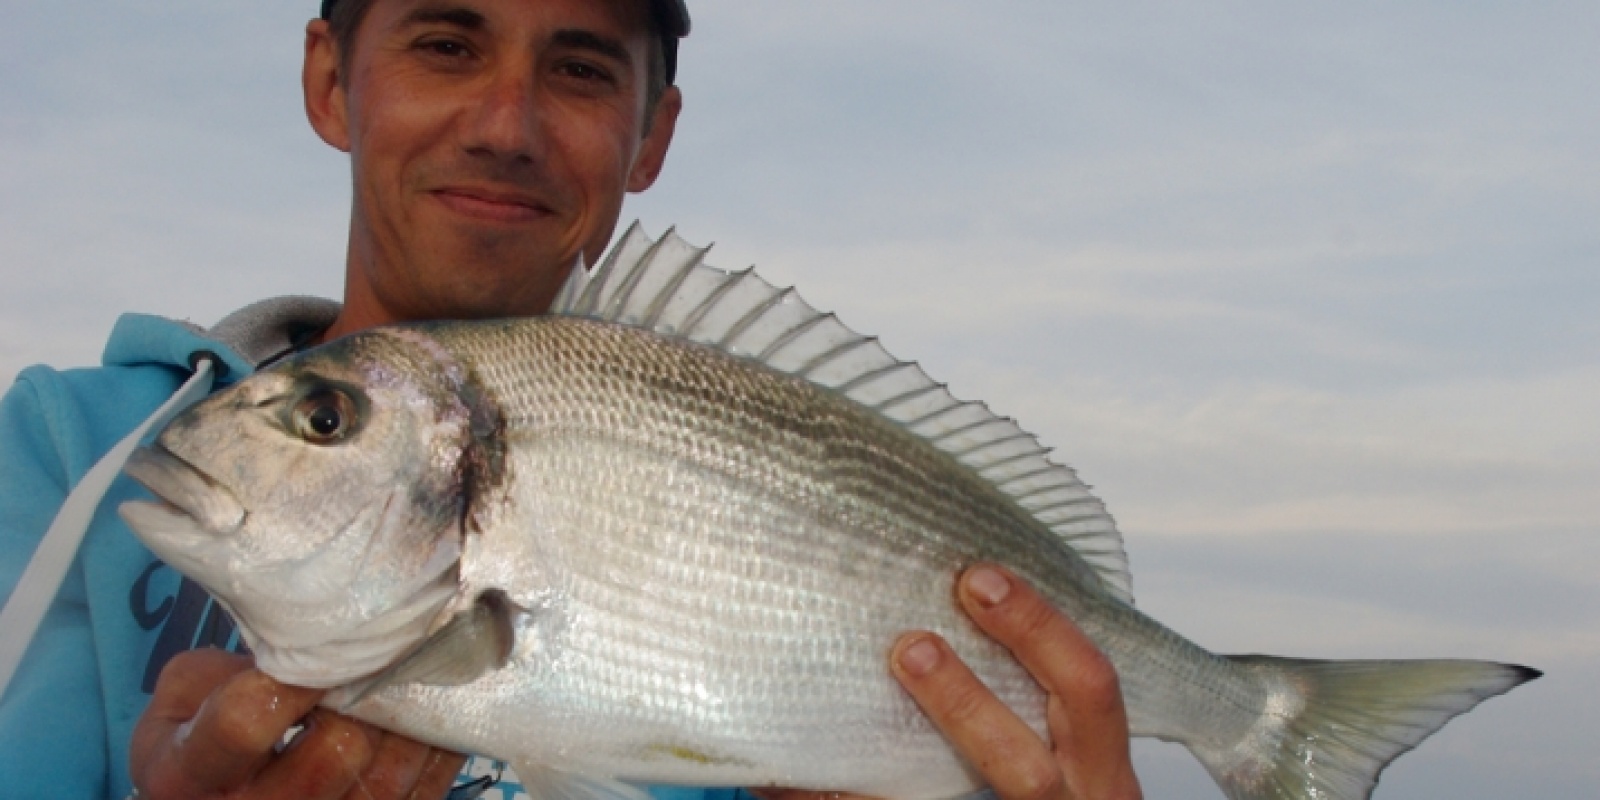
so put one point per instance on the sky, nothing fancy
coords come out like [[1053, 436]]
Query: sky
[[1308, 293]]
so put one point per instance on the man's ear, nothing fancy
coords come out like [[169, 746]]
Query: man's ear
[[653, 151], [326, 102]]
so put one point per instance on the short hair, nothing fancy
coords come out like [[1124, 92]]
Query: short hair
[[345, 17]]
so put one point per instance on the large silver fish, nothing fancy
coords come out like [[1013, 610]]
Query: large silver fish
[[669, 533]]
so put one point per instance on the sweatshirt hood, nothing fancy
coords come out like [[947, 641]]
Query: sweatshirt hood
[[240, 342]]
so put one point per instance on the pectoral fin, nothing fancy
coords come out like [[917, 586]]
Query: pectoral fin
[[473, 643]]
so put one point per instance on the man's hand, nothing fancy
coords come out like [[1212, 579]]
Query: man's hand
[[1087, 756], [213, 727]]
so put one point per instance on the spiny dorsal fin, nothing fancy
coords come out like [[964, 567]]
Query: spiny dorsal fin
[[665, 286]]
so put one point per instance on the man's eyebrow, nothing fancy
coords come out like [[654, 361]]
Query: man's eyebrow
[[438, 13], [589, 40]]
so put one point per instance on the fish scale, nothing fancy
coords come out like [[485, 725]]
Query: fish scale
[[669, 534]]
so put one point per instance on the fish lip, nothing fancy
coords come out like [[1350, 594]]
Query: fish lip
[[185, 489]]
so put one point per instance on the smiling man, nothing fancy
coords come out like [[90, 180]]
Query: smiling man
[[491, 145]]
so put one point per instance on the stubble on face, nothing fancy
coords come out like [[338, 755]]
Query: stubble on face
[[492, 142]]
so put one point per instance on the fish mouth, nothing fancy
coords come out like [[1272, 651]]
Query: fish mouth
[[185, 490]]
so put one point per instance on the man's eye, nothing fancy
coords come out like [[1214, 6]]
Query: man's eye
[[584, 72], [443, 47]]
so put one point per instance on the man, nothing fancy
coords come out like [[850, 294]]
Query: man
[[491, 145]]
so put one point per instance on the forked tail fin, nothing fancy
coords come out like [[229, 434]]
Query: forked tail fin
[[1332, 726]]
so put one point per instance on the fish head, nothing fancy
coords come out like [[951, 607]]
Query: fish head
[[323, 501]]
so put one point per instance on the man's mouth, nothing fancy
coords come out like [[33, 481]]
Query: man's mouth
[[492, 205]]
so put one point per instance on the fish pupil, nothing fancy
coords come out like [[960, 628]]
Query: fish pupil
[[325, 420]]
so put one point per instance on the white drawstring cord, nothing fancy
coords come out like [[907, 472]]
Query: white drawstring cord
[[37, 588]]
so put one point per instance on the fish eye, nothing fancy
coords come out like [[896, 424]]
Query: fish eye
[[324, 417]]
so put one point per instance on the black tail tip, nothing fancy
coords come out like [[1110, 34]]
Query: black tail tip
[[1525, 674]]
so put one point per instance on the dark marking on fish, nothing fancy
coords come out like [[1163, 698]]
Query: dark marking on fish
[[482, 466]]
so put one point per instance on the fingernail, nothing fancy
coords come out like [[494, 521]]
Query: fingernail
[[919, 658], [987, 585]]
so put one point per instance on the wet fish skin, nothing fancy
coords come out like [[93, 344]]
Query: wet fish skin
[[703, 563]]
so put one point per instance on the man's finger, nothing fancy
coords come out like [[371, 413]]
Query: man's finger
[[212, 721], [236, 730], [396, 764], [1087, 718], [1009, 755], [183, 686], [438, 775], [405, 768], [189, 678], [322, 763]]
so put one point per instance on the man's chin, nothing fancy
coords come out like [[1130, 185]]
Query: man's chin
[[489, 292]]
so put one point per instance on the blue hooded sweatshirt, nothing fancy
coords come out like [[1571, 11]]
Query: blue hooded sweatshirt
[[68, 716]]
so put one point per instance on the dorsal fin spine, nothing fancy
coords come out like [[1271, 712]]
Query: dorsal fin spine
[[792, 334], [589, 300], [751, 316], [967, 428], [1069, 521], [1076, 501], [936, 413], [1037, 452], [691, 323], [630, 281], [659, 303], [907, 396], [868, 377], [838, 350], [1033, 473], [980, 446]]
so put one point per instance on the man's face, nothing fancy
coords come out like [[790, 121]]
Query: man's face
[[492, 142]]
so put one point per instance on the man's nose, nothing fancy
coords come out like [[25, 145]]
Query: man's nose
[[505, 122]]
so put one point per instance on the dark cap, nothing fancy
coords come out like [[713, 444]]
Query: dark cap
[[671, 18]]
